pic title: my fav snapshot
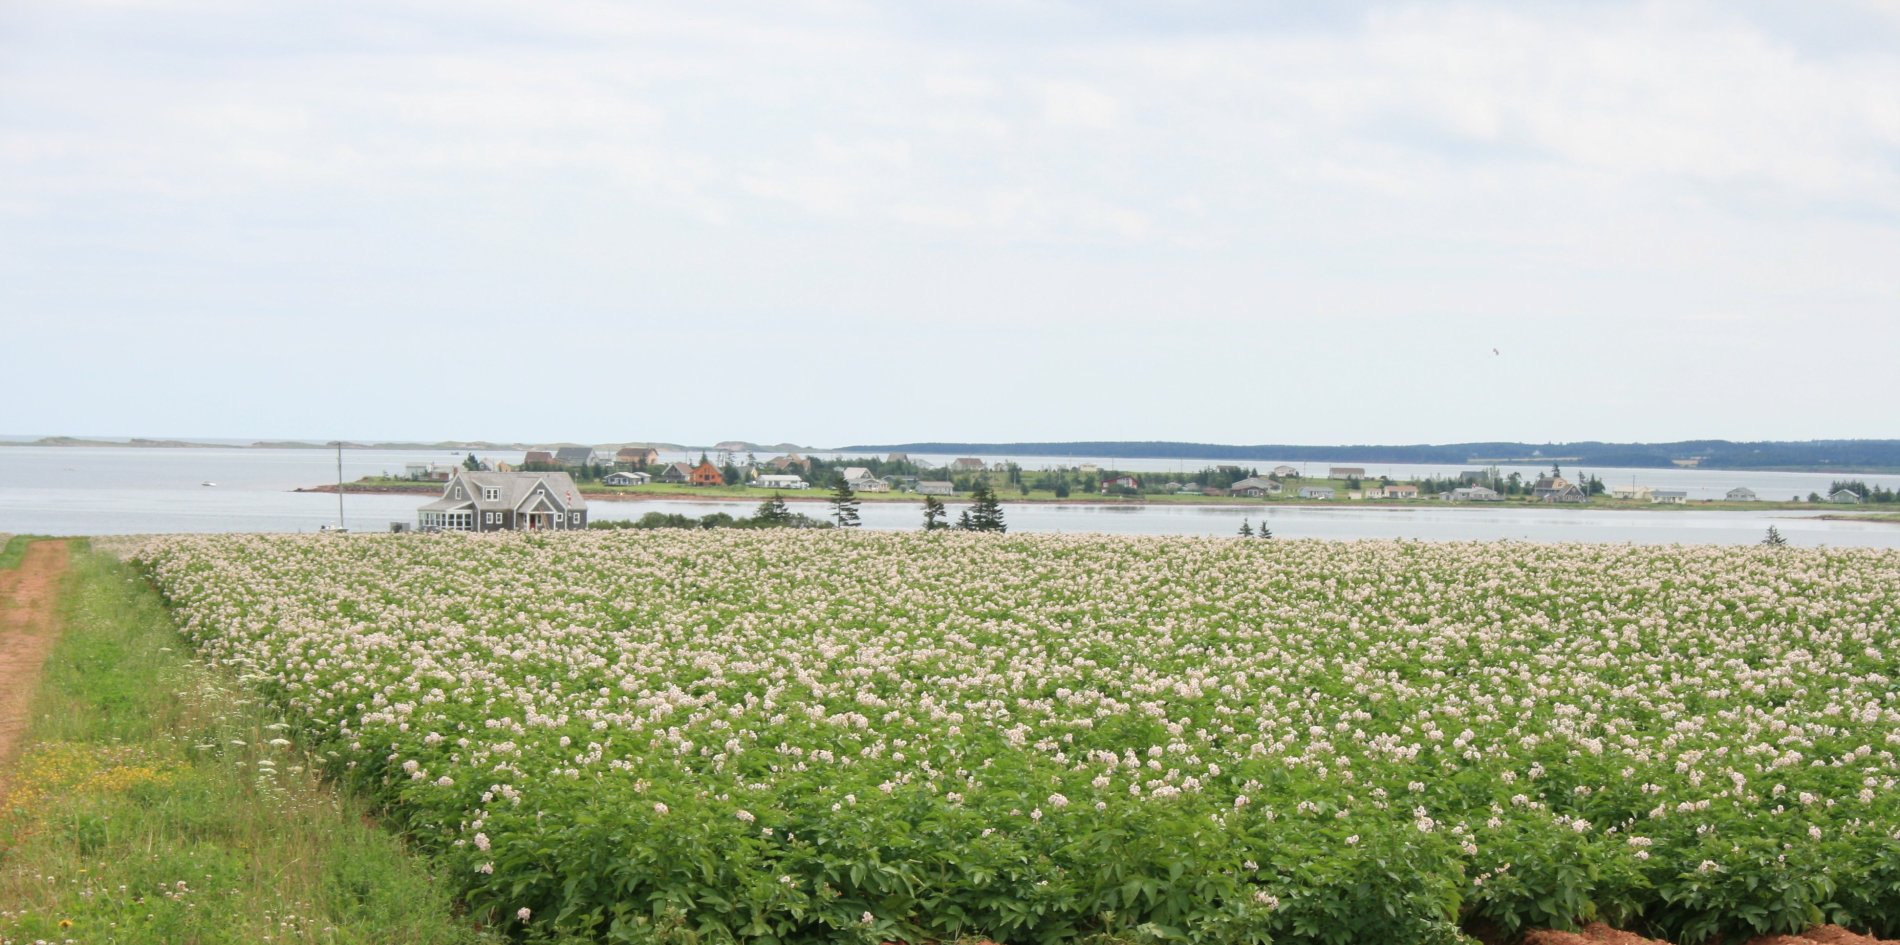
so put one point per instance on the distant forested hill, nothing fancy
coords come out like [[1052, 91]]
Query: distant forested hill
[[1845, 455]]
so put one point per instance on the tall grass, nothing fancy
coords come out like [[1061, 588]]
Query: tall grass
[[156, 802]]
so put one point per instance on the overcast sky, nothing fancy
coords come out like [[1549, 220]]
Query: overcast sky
[[845, 222]]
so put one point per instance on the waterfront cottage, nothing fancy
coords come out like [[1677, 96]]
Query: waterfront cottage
[[1255, 487], [1741, 494], [967, 464], [1315, 492], [789, 462], [625, 478], [1285, 472], [677, 474], [1633, 492], [1346, 472], [936, 488], [538, 458], [779, 481], [1121, 482], [1669, 497], [1397, 490], [1844, 497], [495, 501]]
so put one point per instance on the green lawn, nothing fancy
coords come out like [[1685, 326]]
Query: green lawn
[[156, 802]]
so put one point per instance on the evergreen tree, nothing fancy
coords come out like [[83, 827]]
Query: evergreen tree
[[933, 514], [844, 504], [1264, 531], [986, 514], [470, 463], [773, 511], [1246, 530], [963, 522], [1774, 539]]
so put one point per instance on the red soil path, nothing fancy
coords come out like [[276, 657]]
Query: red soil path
[[28, 626]]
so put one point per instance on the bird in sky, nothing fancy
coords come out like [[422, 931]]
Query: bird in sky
[[1495, 351]]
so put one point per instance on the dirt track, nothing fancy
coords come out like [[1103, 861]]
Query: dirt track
[[29, 595]]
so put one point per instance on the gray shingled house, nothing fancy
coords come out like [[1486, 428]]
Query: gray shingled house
[[576, 456], [511, 501]]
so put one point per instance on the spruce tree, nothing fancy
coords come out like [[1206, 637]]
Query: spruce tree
[[1774, 539], [844, 504], [986, 514], [471, 463], [963, 522], [1264, 531], [933, 514], [1246, 530], [773, 511]]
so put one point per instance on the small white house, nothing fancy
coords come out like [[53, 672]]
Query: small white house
[[1473, 494], [624, 478], [1633, 492], [1285, 472], [774, 481], [936, 488], [1741, 494], [1315, 492], [1844, 497], [1669, 497]]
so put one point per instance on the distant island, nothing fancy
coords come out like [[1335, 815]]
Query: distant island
[[1770, 455]]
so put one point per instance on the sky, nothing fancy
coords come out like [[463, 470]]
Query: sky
[[993, 220]]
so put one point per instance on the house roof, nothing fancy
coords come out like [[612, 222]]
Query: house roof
[[855, 473], [538, 456], [516, 489], [574, 455]]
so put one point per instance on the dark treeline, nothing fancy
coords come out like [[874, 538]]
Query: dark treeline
[[1713, 454]]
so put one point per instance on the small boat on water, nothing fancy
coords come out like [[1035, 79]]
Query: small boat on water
[[208, 482]]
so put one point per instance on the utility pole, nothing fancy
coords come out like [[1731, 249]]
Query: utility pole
[[339, 486]]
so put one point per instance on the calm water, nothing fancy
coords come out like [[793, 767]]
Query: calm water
[[105, 490]]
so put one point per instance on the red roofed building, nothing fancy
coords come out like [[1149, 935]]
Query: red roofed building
[[706, 474]]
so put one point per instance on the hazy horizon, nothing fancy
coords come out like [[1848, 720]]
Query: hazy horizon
[[1233, 222]]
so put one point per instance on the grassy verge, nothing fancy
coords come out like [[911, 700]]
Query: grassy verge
[[155, 802], [12, 549]]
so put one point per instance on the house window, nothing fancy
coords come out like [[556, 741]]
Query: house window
[[574, 517], [491, 494]]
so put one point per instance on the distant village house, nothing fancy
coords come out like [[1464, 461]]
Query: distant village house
[[936, 488], [1741, 494], [576, 456], [1255, 487], [1315, 492], [1474, 494], [1346, 472], [780, 481], [637, 456], [706, 474], [1669, 497], [626, 478]]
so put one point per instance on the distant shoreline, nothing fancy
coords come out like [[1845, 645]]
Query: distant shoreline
[[632, 494]]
